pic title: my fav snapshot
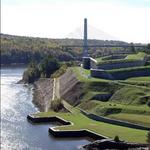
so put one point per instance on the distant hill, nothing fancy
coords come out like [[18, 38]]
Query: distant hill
[[21, 49]]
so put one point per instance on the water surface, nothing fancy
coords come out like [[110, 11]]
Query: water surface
[[16, 132]]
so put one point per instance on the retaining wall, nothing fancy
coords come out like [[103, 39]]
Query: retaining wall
[[76, 133], [99, 73], [119, 75], [67, 133], [47, 119], [102, 97], [128, 74], [113, 121]]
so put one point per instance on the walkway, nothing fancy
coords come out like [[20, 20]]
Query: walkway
[[56, 89]]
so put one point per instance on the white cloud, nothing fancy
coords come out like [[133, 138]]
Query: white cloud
[[56, 20]]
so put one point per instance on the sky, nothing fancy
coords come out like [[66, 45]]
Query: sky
[[128, 20]]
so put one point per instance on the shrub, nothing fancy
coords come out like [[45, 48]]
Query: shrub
[[32, 73], [144, 100], [48, 66], [148, 137], [57, 105], [116, 138], [44, 69]]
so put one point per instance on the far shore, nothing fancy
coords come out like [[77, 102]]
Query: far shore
[[14, 65]]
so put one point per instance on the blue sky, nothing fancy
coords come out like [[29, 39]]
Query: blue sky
[[126, 19]]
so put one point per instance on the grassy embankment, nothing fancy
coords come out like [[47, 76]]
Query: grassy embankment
[[125, 111], [127, 100]]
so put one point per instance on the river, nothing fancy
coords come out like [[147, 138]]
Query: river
[[16, 132]]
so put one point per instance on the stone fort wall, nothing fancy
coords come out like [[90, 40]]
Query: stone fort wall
[[119, 75]]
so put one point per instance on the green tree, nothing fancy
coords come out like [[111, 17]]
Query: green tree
[[32, 73], [148, 46], [48, 66]]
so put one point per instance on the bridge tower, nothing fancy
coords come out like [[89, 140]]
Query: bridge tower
[[85, 47], [86, 59]]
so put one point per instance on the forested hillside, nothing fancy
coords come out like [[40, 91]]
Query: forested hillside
[[20, 49]]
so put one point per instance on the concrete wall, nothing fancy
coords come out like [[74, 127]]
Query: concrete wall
[[99, 73], [63, 133], [133, 73], [102, 97], [47, 119], [76, 133], [119, 75]]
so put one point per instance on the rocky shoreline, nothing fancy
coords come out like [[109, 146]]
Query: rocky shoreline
[[111, 144]]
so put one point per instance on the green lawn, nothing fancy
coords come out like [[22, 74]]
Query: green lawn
[[84, 75], [82, 122], [135, 118], [138, 56], [107, 108], [139, 79]]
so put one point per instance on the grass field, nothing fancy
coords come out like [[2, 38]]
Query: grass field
[[131, 95], [139, 79], [138, 56], [131, 57], [134, 118], [107, 108], [82, 122]]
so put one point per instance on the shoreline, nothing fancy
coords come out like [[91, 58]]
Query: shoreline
[[14, 65]]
